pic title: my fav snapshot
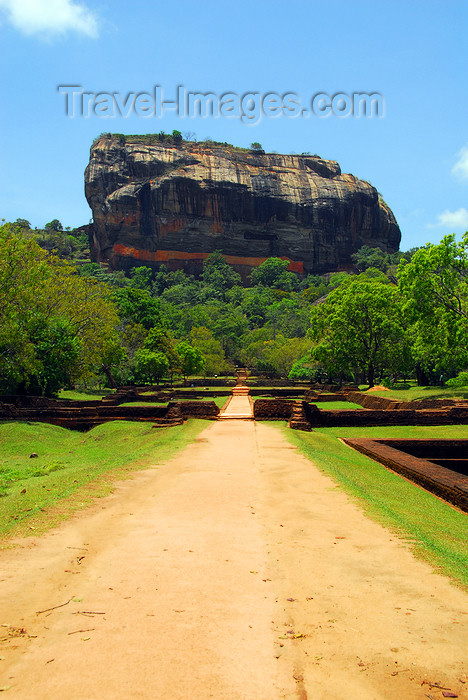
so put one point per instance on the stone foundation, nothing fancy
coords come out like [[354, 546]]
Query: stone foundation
[[446, 483]]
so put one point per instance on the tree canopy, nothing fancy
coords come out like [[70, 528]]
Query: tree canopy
[[434, 284], [65, 319], [54, 325], [360, 326]]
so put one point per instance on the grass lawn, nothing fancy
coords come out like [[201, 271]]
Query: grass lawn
[[89, 395], [73, 468], [415, 393], [144, 403], [337, 405], [437, 532]]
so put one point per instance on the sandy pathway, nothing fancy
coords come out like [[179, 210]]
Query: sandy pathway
[[237, 407], [193, 564]]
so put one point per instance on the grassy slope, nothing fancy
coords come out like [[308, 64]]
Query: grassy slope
[[337, 405], [73, 467], [436, 531], [90, 395], [415, 393]]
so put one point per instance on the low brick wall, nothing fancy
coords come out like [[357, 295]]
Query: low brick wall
[[323, 398], [358, 418], [434, 403], [293, 392], [199, 409], [381, 402], [372, 401], [200, 393], [265, 381], [432, 450], [166, 395], [27, 401], [447, 484], [76, 415], [85, 417], [212, 382], [43, 402], [272, 409], [325, 387], [280, 409]]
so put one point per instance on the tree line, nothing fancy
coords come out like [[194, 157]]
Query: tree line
[[67, 321]]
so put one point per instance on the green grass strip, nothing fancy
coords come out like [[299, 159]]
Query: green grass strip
[[89, 395], [73, 468], [416, 393], [437, 532], [337, 405]]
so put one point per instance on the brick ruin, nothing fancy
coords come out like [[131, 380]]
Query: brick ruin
[[169, 406]]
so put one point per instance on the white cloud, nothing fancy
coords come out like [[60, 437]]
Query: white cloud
[[453, 220], [461, 166], [50, 17]]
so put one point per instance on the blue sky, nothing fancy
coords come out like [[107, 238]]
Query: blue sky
[[412, 53]]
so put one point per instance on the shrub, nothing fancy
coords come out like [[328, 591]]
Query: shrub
[[460, 380]]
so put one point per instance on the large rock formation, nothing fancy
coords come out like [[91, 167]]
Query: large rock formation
[[156, 203]]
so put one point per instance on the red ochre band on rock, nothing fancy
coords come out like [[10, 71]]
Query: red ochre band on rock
[[165, 256]]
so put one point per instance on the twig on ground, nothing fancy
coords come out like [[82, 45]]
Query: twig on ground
[[38, 612], [90, 629], [88, 612]]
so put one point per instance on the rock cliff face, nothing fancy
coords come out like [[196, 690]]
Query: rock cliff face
[[158, 204]]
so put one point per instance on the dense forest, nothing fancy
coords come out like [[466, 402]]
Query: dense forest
[[67, 321]]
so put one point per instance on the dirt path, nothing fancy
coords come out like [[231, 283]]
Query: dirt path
[[208, 571], [237, 407]]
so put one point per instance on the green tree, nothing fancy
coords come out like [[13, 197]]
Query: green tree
[[434, 284], [367, 257], [218, 274], [437, 277], [281, 353], [211, 349], [303, 369], [54, 225], [360, 325], [141, 277], [273, 273], [137, 306], [177, 136], [289, 317], [22, 223], [164, 279], [158, 340], [115, 279], [255, 303], [150, 366], [182, 294], [47, 310], [336, 279], [191, 359], [58, 351], [114, 362]]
